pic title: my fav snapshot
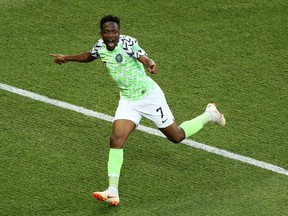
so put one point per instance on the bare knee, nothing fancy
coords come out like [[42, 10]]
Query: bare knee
[[116, 141], [173, 133], [176, 139]]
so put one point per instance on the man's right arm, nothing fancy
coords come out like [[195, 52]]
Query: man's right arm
[[82, 57]]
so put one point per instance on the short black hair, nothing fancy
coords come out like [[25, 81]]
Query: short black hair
[[109, 18]]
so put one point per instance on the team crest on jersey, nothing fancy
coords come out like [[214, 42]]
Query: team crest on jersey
[[119, 58]]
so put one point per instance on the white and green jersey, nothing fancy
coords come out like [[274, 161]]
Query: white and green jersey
[[127, 72]]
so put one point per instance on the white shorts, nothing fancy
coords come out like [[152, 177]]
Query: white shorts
[[153, 107]]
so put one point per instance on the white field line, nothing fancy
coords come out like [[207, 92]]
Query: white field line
[[145, 129]]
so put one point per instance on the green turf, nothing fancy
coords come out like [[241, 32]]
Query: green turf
[[231, 52]]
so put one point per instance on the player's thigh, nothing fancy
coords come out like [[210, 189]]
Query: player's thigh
[[156, 108], [121, 130], [125, 121], [126, 111]]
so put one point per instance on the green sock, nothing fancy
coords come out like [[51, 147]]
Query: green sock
[[193, 126], [114, 166]]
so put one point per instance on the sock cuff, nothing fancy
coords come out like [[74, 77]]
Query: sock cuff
[[116, 152]]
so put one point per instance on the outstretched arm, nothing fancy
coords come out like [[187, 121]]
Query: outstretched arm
[[149, 64], [82, 57]]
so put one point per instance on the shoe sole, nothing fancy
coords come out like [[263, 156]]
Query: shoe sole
[[114, 203], [100, 198]]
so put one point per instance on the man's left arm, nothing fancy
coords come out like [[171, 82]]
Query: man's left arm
[[149, 64]]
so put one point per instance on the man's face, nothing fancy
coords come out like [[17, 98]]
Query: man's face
[[110, 33]]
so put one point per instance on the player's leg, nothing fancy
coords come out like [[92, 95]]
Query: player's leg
[[120, 133], [155, 108], [125, 121], [188, 128], [177, 133]]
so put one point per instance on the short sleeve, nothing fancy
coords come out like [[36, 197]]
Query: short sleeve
[[132, 48], [96, 48]]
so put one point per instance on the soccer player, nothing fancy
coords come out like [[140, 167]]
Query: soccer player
[[139, 96]]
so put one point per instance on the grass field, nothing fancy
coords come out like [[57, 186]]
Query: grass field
[[231, 52]]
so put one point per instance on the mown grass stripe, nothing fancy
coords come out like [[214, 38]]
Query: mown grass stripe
[[145, 129]]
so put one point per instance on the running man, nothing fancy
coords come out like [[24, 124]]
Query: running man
[[139, 96]]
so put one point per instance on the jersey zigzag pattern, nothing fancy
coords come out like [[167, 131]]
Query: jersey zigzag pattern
[[128, 43]]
